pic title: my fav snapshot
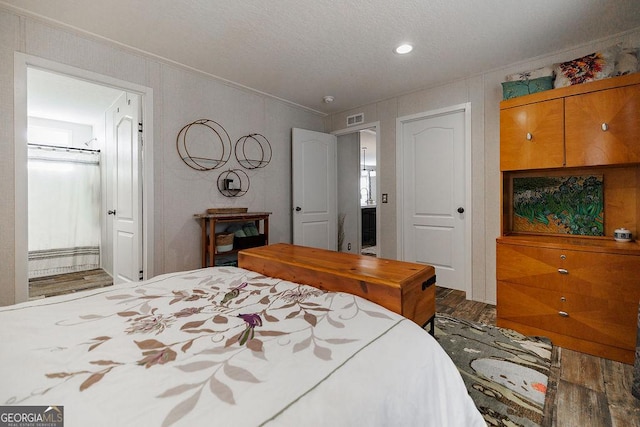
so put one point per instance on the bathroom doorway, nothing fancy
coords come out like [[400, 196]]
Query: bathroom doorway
[[67, 176], [368, 192], [27, 108], [358, 218]]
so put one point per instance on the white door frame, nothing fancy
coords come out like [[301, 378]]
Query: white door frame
[[400, 121], [358, 128], [21, 63]]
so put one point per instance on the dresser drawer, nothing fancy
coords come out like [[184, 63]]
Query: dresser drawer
[[531, 306], [529, 266], [603, 276], [599, 319]]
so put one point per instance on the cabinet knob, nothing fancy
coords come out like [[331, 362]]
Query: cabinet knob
[[529, 136], [563, 313], [605, 127], [563, 271], [563, 256], [563, 299]]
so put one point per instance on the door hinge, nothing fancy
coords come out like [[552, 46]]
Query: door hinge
[[141, 277], [139, 127]]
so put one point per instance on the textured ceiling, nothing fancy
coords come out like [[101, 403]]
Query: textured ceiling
[[301, 51]]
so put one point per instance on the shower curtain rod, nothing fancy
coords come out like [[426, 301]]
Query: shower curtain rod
[[57, 147]]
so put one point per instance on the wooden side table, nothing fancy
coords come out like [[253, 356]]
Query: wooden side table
[[208, 226]]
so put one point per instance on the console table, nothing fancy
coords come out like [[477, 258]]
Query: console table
[[208, 226]]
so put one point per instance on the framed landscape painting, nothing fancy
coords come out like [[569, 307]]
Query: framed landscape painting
[[559, 205]]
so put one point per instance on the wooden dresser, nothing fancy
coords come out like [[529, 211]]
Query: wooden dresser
[[581, 291], [402, 287]]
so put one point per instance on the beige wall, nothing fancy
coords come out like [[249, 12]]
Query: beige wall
[[484, 92], [179, 97]]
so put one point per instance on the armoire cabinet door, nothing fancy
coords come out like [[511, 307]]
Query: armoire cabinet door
[[602, 127], [531, 136]]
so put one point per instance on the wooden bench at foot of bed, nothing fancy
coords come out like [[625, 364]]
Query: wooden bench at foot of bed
[[403, 287]]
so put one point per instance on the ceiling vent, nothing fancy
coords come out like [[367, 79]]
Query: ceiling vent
[[356, 119]]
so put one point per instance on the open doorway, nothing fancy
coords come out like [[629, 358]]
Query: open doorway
[[73, 103], [368, 193], [68, 242], [357, 190]]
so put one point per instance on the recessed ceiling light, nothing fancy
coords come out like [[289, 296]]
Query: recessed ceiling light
[[403, 49], [328, 99]]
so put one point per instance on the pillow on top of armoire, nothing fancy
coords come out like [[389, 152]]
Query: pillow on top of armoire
[[530, 74], [627, 62], [517, 88], [595, 66]]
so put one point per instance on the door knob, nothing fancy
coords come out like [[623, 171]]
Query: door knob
[[111, 212], [460, 209], [298, 208]]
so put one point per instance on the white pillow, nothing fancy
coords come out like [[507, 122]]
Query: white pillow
[[626, 62], [530, 75]]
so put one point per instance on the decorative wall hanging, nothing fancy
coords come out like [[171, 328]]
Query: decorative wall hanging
[[559, 205], [204, 145], [233, 183], [253, 151]]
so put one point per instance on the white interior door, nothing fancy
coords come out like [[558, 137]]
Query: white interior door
[[314, 181], [126, 207], [434, 202]]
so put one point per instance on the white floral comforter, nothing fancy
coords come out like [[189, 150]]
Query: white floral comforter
[[226, 347]]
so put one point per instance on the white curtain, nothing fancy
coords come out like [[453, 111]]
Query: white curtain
[[64, 211]]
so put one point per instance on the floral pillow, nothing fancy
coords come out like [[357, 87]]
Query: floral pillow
[[596, 66]]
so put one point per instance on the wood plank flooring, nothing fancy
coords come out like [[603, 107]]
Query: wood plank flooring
[[588, 391], [59, 284]]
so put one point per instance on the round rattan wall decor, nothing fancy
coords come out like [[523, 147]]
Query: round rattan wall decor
[[204, 145], [233, 183], [253, 151]]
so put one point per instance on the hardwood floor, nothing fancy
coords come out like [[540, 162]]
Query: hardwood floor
[[41, 287], [589, 391]]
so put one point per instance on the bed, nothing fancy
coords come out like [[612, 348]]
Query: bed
[[230, 347]]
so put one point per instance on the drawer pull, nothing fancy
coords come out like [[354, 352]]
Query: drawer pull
[[563, 271], [563, 313], [529, 136], [604, 127], [430, 281]]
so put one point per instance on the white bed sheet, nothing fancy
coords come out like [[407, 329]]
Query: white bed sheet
[[226, 347]]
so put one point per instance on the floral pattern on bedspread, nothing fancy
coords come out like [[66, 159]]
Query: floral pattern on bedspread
[[222, 337]]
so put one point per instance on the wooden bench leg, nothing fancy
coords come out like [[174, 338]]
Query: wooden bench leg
[[432, 324]]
